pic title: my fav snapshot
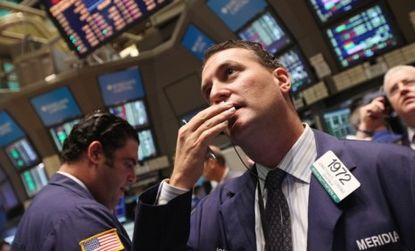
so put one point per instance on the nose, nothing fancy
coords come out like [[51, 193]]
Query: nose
[[403, 88], [131, 178], [219, 93]]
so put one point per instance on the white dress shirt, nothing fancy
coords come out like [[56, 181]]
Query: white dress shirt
[[411, 135]]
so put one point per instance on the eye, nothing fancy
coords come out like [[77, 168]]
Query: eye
[[229, 71]]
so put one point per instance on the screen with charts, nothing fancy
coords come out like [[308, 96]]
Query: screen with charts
[[22, 154], [266, 30], [34, 179], [362, 36], [336, 122], [327, 10], [134, 112], [88, 24], [147, 148], [60, 132], [297, 68]]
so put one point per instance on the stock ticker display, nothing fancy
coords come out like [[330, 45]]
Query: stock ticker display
[[330, 9], [362, 36], [88, 24]]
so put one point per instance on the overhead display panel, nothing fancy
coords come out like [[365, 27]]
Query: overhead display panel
[[196, 41], [266, 30], [236, 13], [9, 130], [88, 24], [327, 10], [362, 36]]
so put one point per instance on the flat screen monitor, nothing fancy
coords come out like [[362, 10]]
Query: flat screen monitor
[[88, 24], [60, 132], [22, 154], [147, 148], [327, 10], [121, 86], [34, 179], [134, 112], [266, 30], [56, 106], [196, 41], [236, 13], [337, 123], [8, 196], [9, 130], [120, 210], [362, 36], [298, 69]]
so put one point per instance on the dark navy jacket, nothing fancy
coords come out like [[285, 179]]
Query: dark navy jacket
[[377, 216], [61, 215]]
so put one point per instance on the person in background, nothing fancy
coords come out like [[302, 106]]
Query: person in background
[[307, 189], [75, 210], [370, 122], [4, 246], [399, 87], [215, 169]]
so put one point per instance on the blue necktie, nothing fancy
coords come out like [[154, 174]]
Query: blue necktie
[[277, 213]]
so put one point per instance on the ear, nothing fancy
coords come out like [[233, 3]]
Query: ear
[[95, 152], [284, 80]]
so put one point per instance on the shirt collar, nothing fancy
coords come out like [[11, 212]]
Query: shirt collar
[[299, 158], [411, 133], [78, 181]]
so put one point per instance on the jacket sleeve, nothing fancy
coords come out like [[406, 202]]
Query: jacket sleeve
[[163, 227]]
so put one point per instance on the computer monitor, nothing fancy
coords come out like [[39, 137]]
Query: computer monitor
[[121, 86], [8, 196], [60, 132], [120, 210], [9, 130], [196, 41], [134, 112], [147, 148], [266, 30], [298, 69], [22, 154], [327, 11], [236, 13], [336, 122], [56, 106], [86, 25], [362, 36], [34, 179]]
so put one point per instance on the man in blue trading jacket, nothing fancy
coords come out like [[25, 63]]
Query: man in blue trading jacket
[[75, 210], [249, 93]]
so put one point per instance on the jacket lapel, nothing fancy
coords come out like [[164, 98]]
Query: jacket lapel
[[238, 207], [323, 213]]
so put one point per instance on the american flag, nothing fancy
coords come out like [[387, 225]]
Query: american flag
[[105, 241]]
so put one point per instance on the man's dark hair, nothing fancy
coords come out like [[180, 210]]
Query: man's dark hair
[[265, 58], [112, 131]]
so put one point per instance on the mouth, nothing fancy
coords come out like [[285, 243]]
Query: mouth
[[408, 100]]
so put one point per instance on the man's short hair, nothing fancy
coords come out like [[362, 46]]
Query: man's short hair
[[265, 58], [112, 131]]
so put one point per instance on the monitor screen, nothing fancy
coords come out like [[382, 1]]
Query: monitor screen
[[147, 148], [336, 122], [121, 86], [362, 36], [236, 13], [86, 25], [56, 106], [22, 154], [60, 132], [9, 130], [327, 10], [266, 30], [8, 196], [120, 210], [196, 41], [34, 179], [297, 68], [134, 112]]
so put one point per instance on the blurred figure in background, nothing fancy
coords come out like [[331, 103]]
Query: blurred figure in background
[[371, 124], [4, 246]]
